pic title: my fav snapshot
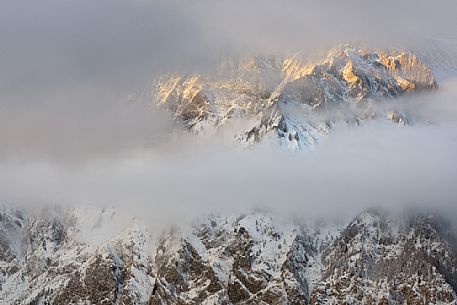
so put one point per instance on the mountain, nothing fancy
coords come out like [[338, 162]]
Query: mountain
[[65, 256], [92, 256], [295, 101]]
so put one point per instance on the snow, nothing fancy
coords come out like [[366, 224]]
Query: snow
[[272, 239], [306, 98]]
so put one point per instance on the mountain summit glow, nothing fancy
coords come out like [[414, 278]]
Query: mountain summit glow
[[292, 101]]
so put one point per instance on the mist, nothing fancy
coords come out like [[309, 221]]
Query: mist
[[379, 164], [124, 45], [77, 127]]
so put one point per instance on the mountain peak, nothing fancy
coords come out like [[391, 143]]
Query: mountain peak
[[248, 258], [287, 97]]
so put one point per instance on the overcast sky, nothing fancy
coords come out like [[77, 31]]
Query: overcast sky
[[55, 42]]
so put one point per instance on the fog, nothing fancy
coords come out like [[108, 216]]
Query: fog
[[377, 165], [125, 44], [77, 127]]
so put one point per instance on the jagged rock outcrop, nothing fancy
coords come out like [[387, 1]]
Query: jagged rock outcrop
[[254, 258], [293, 101], [379, 260]]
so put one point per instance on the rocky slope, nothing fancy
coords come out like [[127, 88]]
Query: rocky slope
[[63, 256], [293, 101]]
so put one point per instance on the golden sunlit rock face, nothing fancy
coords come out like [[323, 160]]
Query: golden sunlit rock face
[[348, 74], [265, 89]]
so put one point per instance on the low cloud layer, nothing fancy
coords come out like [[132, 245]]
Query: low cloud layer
[[78, 125], [378, 164]]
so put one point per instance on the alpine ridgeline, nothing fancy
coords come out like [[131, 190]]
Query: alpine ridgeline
[[290, 101], [255, 258]]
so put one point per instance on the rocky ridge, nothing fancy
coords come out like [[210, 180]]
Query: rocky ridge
[[292, 101], [252, 258]]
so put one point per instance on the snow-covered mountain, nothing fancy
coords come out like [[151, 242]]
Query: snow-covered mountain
[[292, 100], [58, 256], [91, 255]]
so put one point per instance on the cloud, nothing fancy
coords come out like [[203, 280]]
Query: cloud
[[68, 136], [77, 125], [379, 164], [124, 43]]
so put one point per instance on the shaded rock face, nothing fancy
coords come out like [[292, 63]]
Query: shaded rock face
[[377, 260], [99, 285], [183, 275], [225, 264], [256, 258], [292, 100]]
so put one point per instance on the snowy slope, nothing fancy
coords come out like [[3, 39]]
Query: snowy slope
[[292, 101], [251, 258]]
